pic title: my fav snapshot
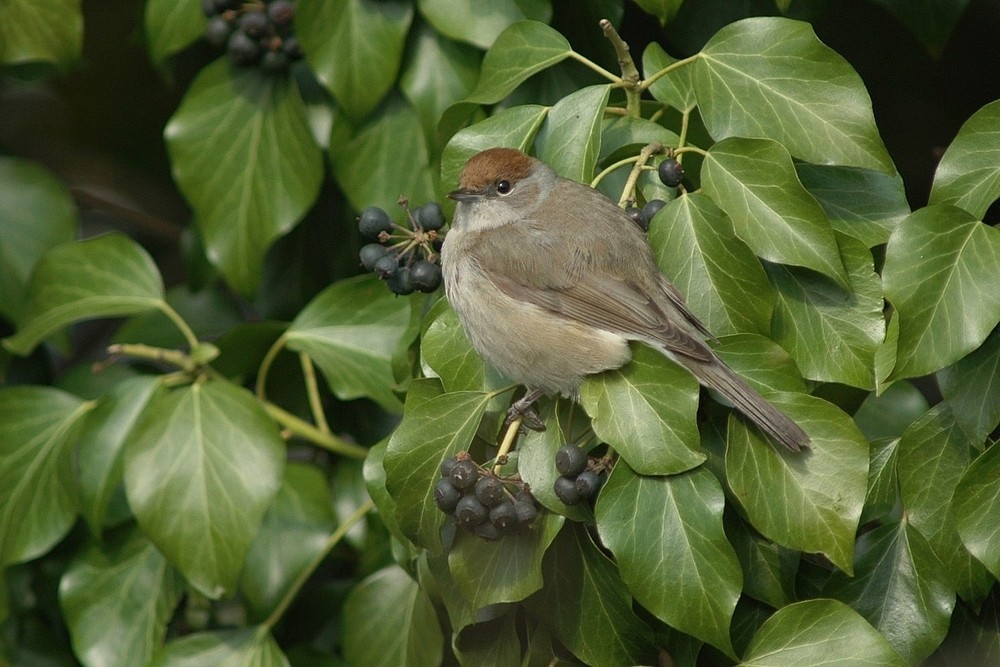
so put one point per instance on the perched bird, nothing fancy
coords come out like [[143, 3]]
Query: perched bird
[[551, 280]]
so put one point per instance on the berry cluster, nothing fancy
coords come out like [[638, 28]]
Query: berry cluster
[[481, 502], [254, 32], [579, 478], [405, 258], [643, 216]]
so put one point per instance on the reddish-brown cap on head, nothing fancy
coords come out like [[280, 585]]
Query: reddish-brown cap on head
[[485, 170]]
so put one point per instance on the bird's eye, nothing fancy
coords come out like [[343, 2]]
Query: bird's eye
[[504, 187]]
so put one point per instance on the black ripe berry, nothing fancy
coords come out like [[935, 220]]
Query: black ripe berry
[[447, 465], [671, 172], [635, 215], [524, 507], [290, 45], [469, 512], [429, 216], [217, 31], [281, 12], [587, 484], [570, 460], [400, 282], [651, 208], [489, 490], [425, 275], [386, 266], [370, 254], [464, 474], [565, 488], [242, 49], [504, 516], [372, 221], [254, 24], [446, 496]]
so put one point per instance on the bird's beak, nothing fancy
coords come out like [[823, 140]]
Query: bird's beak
[[464, 195]]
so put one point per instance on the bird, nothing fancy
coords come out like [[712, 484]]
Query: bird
[[551, 280]]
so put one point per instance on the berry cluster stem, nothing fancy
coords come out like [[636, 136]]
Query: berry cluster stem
[[647, 151], [508, 442]]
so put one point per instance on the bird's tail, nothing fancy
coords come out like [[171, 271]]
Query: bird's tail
[[716, 375]]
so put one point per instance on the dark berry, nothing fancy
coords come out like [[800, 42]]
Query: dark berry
[[254, 24], [447, 465], [464, 474], [275, 61], [291, 46], [429, 216], [565, 488], [373, 221], [635, 215], [487, 531], [426, 276], [370, 254], [217, 31], [281, 12], [526, 509], [400, 282], [570, 460], [587, 484], [671, 172], [469, 512], [489, 490], [208, 8], [386, 266], [242, 49], [446, 496], [222, 5], [503, 516], [651, 208]]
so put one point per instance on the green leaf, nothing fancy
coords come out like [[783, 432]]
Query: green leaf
[[105, 276], [172, 25], [976, 507], [772, 78], [100, 443], [495, 642], [646, 411], [480, 22], [673, 88], [375, 171], [664, 10], [901, 588], [431, 431], [940, 275], [523, 49], [38, 504], [972, 388], [754, 182], [446, 353], [723, 282], [536, 458], [355, 47], [768, 569], [118, 602], [505, 570], [811, 500], [202, 465], [294, 531], [762, 362], [41, 30], [930, 20], [586, 603], [862, 203], [246, 647], [36, 214], [666, 534], [390, 622], [968, 174], [815, 632], [570, 138], [888, 414], [256, 124], [832, 335], [883, 481], [352, 330]]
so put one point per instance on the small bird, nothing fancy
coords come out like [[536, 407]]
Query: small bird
[[551, 280]]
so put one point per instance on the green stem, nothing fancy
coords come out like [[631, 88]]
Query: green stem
[[607, 170], [139, 351], [630, 78], [192, 340], [306, 572], [312, 391], [610, 76], [633, 177], [305, 430], [265, 367]]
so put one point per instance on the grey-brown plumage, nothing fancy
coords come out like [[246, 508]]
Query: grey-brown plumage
[[551, 279]]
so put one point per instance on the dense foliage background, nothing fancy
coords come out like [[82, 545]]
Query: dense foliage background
[[218, 440]]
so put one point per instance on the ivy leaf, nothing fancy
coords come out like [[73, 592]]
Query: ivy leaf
[[666, 534], [431, 431], [862, 203], [294, 531], [674, 88], [480, 22], [771, 78], [972, 388], [723, 282], [940, 274], [41, 30], [446, 353], [665, 10], [768, 569], [536, 460], [352, 330], [930, 20], [901, 588], [811, 500], [968, 174], [390, 622], [258, 124], [833, 335], [493, 642], [810, 632], [246, 647], [761, 362], [355, 48], [172, 25], [977, 505], [36, 214], [39, 504], [570, 138], [646, 411], [202, 465], [754, 182], [104, 276], [118, 602], [586, 603]]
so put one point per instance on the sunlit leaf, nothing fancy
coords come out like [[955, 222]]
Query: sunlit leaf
[[977, 504], [968, 174], [247, 647], [570, 138], [41, 30], [171, 25]]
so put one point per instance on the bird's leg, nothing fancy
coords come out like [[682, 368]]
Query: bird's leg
[[522, 407]]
